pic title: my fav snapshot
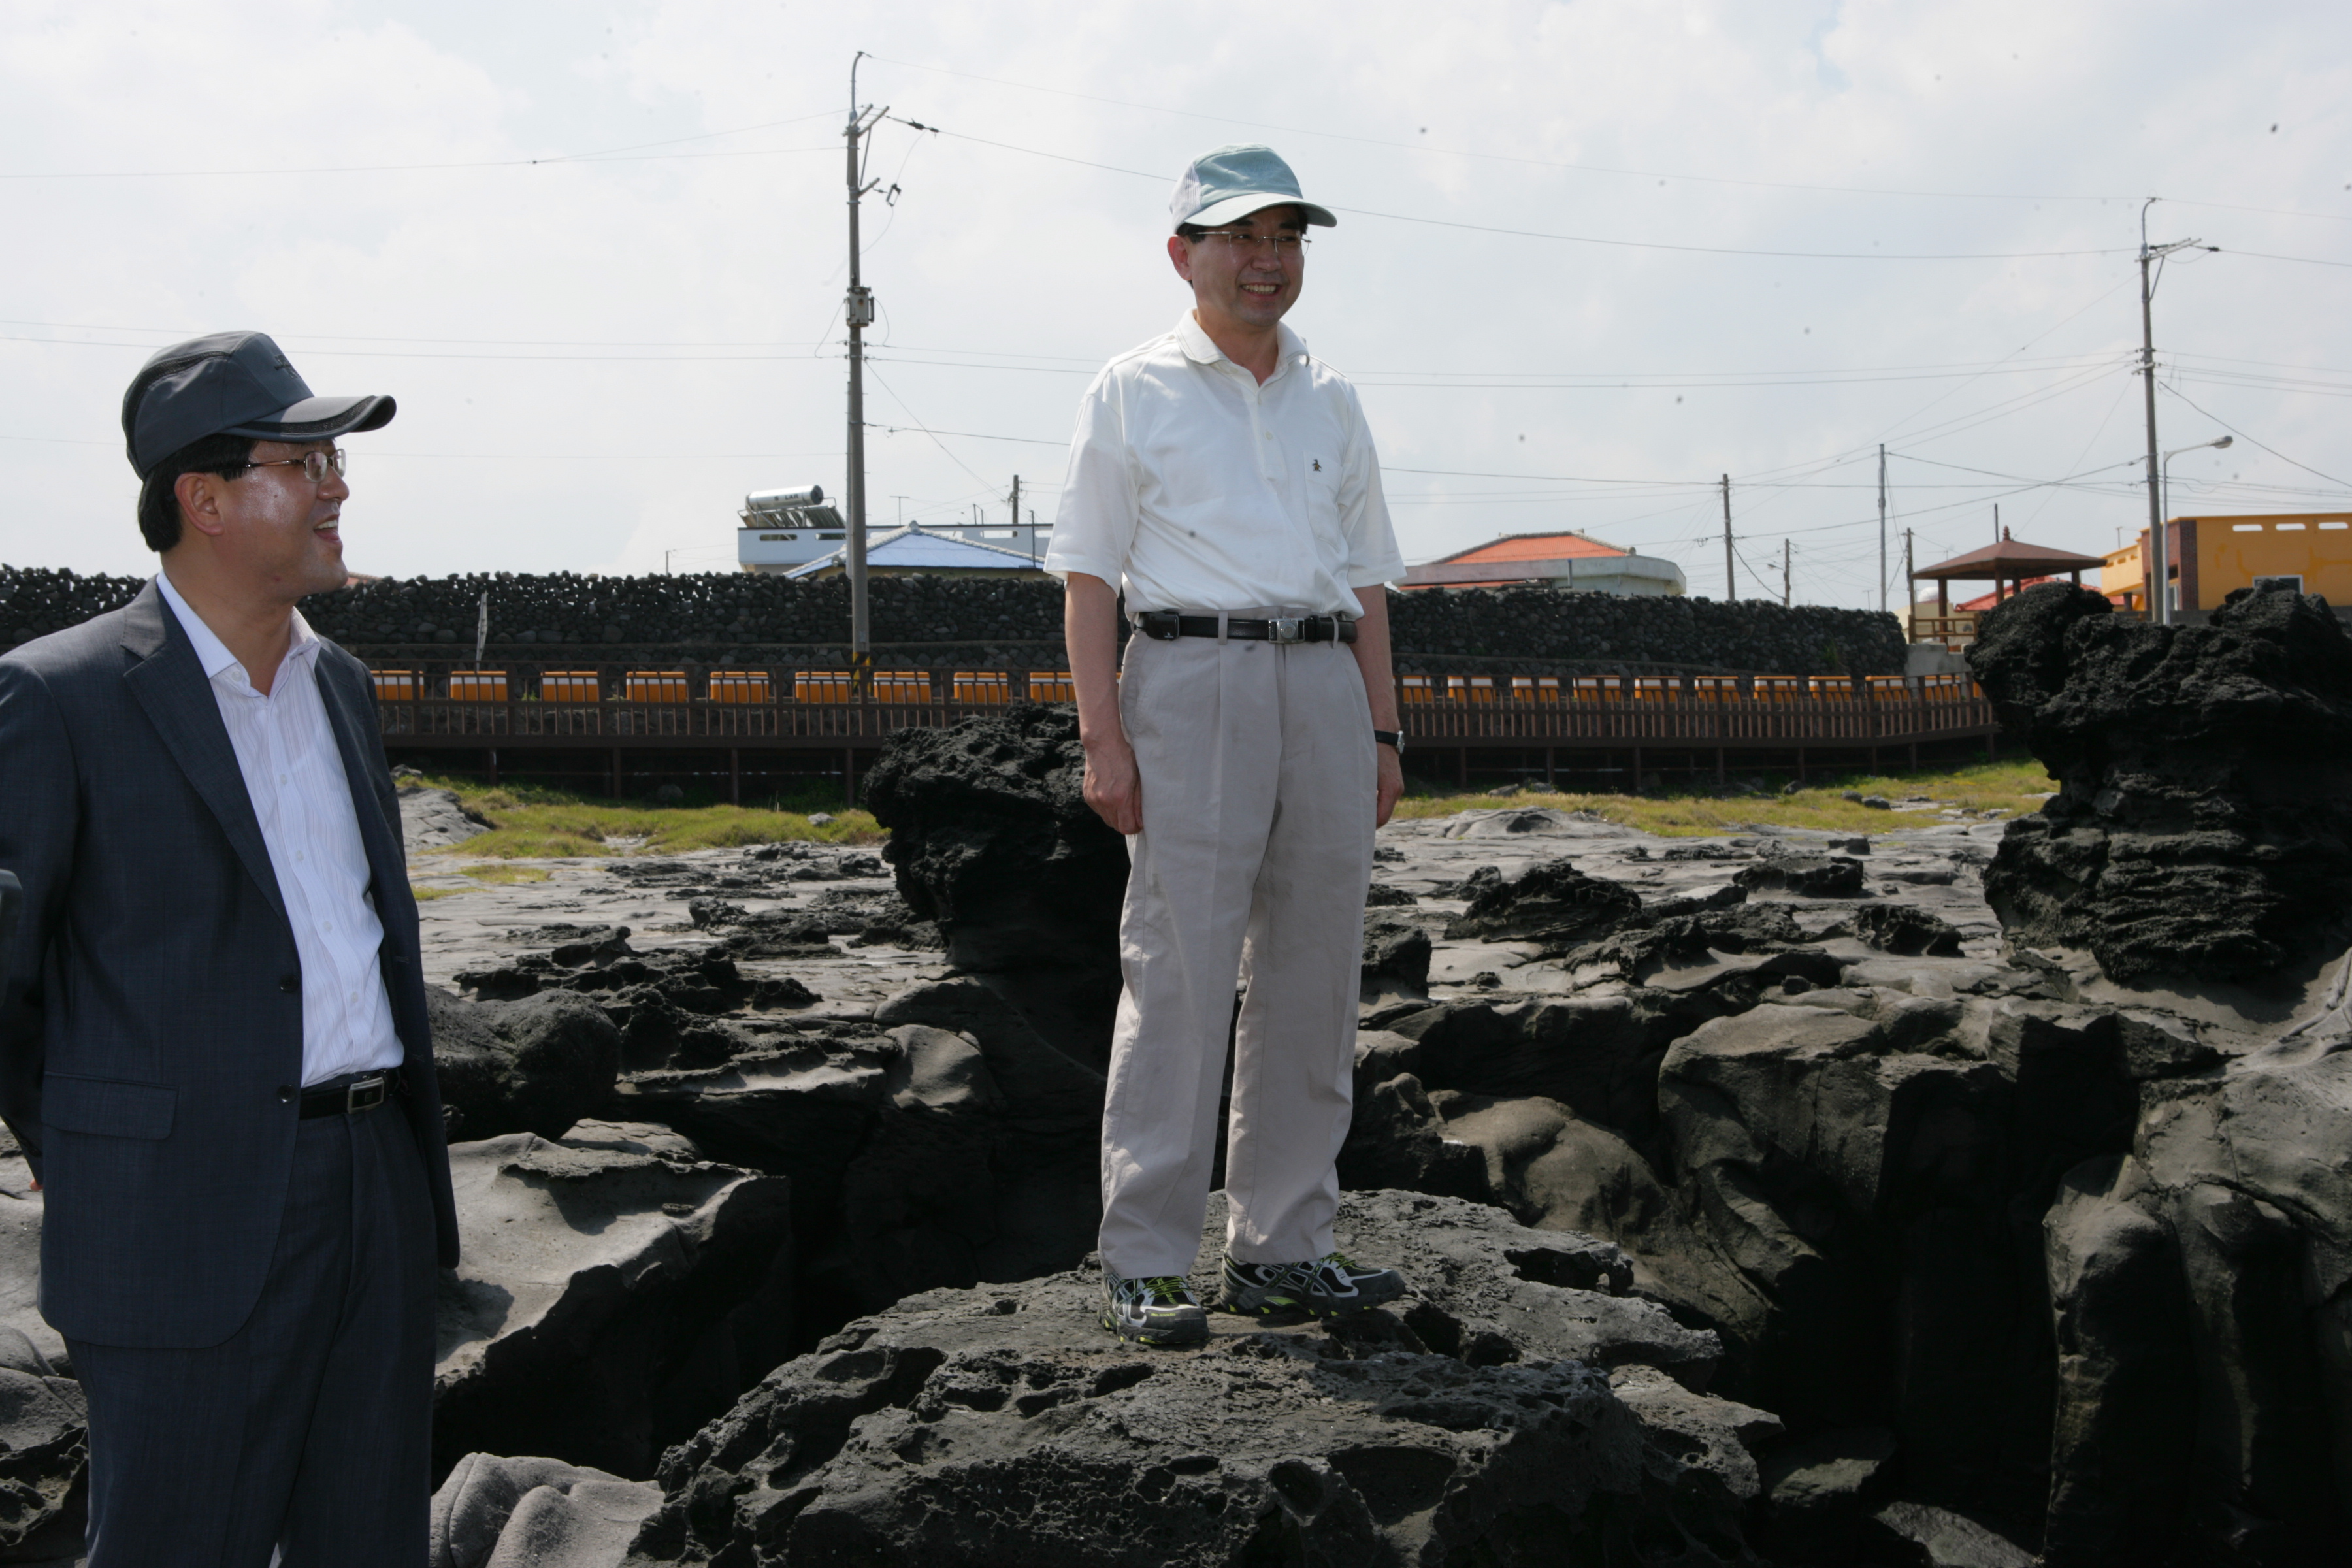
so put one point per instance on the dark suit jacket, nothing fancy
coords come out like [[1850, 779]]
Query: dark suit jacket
[[152, 1025]]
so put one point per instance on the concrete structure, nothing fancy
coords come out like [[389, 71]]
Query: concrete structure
[[1554, 560], [784, 528], [963, 550], [2211, 557]]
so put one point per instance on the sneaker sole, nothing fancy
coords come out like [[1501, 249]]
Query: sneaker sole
[[1190, 1334]]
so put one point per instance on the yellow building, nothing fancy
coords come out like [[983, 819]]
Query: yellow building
[[2213, 556], [2123, 577]]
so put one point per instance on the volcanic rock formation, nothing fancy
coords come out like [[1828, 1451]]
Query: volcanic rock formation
[[2203, 823], [1477, 1422]]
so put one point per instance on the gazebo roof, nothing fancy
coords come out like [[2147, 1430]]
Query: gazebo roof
[[2007, 560]]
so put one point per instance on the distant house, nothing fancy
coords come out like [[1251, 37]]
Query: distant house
[[937, 552], [2307, 551], [1553, 559]]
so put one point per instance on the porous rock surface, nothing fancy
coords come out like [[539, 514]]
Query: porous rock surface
[[2203, 823], [985, 1427], [497, 1513], [614, 1291], [535, 1065]]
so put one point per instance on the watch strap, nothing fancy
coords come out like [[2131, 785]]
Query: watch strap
[[1393, 738]]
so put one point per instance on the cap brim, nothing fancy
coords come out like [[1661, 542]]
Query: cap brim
[[320, 419], [1233, 209]]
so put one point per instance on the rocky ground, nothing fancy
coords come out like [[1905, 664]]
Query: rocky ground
[[1774, 1199]]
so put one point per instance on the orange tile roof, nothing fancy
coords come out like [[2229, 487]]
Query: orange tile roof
[[1535, 547]]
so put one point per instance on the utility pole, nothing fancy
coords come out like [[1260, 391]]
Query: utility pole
[[1730, 583], [857, 309], [1016, 506], [1910, 591], [1786, 553], [2149, 271], [1882, 528]]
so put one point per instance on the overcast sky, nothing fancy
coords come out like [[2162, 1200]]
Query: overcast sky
[[1592, 257]]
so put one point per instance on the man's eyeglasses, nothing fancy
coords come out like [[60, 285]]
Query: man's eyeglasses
[[1283, 245], [314, 464]]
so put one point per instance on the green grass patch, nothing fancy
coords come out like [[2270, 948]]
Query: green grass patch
[[2012, 788], [500, 876], [531, 822]]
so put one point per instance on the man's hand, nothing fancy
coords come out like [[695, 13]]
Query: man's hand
[[1386, 792], [1113, 787]]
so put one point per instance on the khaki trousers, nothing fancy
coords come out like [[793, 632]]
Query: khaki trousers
[[1258, 793]]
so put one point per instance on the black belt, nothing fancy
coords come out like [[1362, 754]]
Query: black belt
[[364, 1093], [1167, 625]]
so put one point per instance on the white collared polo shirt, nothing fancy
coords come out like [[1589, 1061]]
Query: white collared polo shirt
[[1193, 486]]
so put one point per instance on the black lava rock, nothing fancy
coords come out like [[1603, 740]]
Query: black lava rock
[[2203, 822]]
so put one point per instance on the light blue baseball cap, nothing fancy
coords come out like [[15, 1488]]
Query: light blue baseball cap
[[1228, 184]]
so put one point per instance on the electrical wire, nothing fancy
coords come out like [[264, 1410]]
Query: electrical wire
[[2241, 435], [1588, 239]]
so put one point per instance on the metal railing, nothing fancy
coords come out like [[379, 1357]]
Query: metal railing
[[1442, 720]]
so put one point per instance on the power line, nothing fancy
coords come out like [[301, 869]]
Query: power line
[[1581, 239], [2273, 451], [610, 155]]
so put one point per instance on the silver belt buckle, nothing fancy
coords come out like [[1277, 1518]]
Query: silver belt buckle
[[1287, 628], [364, 1095]]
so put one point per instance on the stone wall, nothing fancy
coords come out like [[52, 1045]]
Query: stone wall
[[726, 617]]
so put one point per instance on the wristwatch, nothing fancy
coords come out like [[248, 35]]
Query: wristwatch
[[1392, 739]]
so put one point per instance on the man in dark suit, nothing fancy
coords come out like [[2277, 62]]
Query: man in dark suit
[[213, 1038]]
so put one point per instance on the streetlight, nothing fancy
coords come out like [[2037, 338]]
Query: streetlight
[[2163, 525]]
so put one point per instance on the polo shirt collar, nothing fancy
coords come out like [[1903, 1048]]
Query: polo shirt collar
[[211, 653], [1202, 349]]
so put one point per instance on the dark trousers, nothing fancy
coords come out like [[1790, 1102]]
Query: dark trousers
[[310, 1429]]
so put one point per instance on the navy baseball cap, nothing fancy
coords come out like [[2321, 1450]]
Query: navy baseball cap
[[233, 383]]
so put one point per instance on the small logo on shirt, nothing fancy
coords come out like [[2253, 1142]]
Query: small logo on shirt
[[1318, 464]]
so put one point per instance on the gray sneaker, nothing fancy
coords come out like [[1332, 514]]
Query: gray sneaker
[[1157, 1311], [1325, 1286]]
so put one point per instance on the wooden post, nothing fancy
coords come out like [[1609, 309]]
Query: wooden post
[[494, 767], [1637, 770], [1464, 774], [1547, 770], [1718, 767], [1801, 764], [1914, 758], [735, 775], [849, 777], [616, 772]]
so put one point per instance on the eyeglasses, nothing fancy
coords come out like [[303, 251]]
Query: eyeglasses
[[1287, 246], [314, 464]]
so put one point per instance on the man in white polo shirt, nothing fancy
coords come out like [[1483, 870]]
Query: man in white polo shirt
[[1224, 481]]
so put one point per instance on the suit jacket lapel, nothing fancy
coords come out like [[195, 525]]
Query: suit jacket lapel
[[169, 685]]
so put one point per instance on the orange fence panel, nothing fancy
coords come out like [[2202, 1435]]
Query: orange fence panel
[[901, 685], [1888, 688], [1534, 689], [820, 686], [1715, 688], [740, 686], [992, 686], [1050, 685], [478, 685], [1653, 689], [657, 686], [1597, 688], [1828, 688], [1413, 689], [395, 685], [569, 686], [1778, 688]]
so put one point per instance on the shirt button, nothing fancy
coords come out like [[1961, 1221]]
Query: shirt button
[[297, 855], [289, 983], [281, 778], [327, 925], [355, 996]]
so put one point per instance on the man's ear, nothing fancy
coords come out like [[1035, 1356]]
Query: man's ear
[[1181, 254], [199, 496]]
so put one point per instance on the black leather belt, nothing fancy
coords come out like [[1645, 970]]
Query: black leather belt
[[1167, 625], [350, 1098]]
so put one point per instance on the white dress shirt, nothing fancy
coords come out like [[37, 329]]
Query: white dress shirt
[[294, 776], [1195, 488]]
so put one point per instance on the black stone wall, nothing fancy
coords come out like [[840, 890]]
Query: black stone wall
[[729, 617]]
